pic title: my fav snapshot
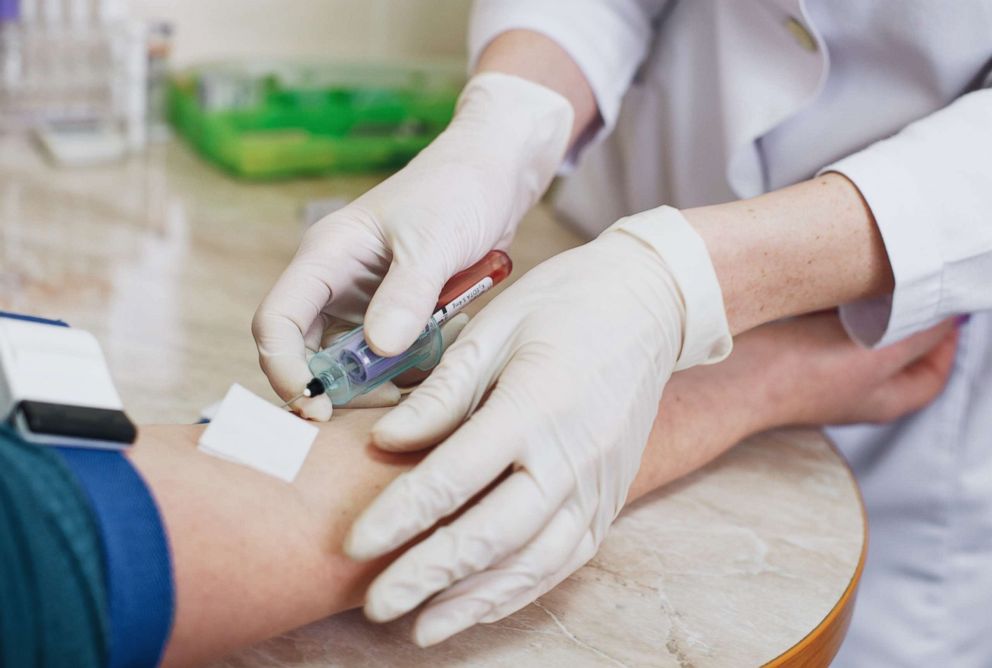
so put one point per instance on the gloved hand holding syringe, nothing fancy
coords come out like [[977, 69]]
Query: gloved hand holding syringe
[[348, 367]]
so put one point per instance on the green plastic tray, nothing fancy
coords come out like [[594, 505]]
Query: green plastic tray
[[278, 121]]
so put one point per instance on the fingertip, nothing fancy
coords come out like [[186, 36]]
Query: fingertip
[[440, 621], [377, 611], [358, 547], [391, 332], [425, 637], [380, 528], [318, 409], [403, 303], [394, 593], [393, 430], [431, 633]]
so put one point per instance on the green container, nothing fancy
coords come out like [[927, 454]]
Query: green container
[[283, 120]]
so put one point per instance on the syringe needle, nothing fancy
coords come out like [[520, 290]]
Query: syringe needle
[[313, 388], [294, 399]]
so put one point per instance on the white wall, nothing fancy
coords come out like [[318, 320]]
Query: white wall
[[356, 29]]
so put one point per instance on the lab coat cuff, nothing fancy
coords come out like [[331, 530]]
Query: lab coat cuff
[[598, 38], [906, 227], [706, 335]]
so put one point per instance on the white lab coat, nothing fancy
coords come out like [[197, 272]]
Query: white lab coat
[[723, 99]]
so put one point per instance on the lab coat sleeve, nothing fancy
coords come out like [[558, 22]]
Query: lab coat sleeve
[[608, 40], [930, 190]]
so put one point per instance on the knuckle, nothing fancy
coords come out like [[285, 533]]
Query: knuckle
[[276, 335], [264, 327], [355, 217], [469, 551], [460, 379], [258, 325], [431, 493], [433, 398]]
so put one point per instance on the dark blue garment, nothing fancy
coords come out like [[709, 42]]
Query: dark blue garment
[[85, 569], [53, 596], [135, 555]]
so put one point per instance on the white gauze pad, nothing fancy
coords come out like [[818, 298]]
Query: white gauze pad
[[249, 430]]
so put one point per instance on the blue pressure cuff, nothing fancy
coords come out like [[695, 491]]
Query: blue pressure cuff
[[137, 562], [137, 565]]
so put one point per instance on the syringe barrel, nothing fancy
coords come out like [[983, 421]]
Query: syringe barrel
[[348, 367]]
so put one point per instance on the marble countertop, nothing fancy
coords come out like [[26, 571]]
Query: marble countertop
[[164, 259], [730, 567]]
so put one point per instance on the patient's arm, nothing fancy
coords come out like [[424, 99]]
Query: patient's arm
[[254, 556]]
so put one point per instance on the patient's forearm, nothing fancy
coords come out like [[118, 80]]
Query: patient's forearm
[[254, 556], [706, 410]]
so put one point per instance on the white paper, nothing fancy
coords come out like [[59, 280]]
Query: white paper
[[249, 430]]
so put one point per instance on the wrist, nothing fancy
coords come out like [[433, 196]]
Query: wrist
[[514, 127], [777, 374], [538, 58], [680, 253], [689, 432]]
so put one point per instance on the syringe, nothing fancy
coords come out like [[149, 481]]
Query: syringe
[[348, 367]]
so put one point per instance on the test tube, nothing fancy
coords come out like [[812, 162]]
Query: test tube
[[495, 266]]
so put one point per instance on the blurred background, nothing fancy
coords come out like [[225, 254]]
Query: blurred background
[[97, 79], [374, 29], [160, 160]]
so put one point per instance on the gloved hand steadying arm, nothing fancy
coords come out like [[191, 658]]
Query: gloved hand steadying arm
[[576, 354], [392, 249]]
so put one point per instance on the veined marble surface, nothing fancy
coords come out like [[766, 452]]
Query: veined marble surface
[[164, 259]]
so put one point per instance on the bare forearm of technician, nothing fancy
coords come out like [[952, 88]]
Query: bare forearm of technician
[[796, 250], [535, 57], [254, 557], [800, 249]]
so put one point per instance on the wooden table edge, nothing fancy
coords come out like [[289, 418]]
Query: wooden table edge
[[820, 645]]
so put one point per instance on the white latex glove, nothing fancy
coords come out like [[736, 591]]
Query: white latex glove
[[576, 354], [392, 249]]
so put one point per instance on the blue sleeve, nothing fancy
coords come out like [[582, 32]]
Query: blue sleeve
[[53, 595], [136, 556]]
